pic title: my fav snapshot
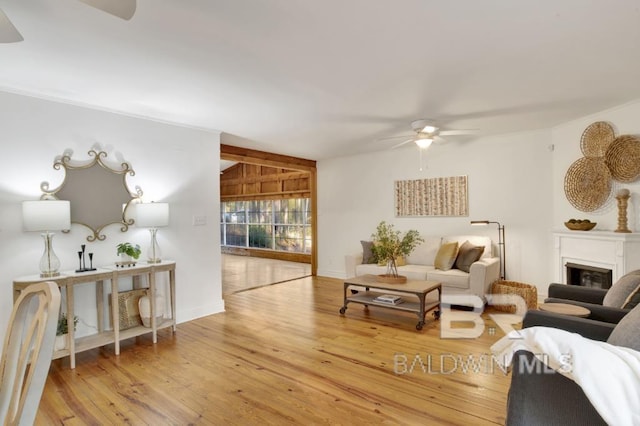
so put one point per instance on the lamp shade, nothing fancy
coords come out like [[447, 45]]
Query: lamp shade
[[152, 215], [46, 215]]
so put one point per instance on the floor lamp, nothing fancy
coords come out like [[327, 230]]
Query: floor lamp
[[503, 262]]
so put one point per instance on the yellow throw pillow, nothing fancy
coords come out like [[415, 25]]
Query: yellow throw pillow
[[400, 261], [446, 256]]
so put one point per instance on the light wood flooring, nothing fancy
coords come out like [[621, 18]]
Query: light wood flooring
[[241, 273], [281, 354]]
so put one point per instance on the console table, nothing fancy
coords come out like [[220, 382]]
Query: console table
[[416, 288], [69, 279]]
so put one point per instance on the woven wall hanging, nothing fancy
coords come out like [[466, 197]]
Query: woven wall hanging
[[596, 138], [587, 184], [623, 158]]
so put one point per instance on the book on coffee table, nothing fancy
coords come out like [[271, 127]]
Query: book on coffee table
[[389, 298]]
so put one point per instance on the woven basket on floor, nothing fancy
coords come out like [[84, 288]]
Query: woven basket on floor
[[527, 291]]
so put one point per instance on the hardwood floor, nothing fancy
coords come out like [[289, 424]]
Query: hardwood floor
[[241, 273], [281, 354]]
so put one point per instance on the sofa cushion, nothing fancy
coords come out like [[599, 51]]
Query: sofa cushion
[[467, 254], [367, 252], [446, 256], [476, 240], [620, 291], [425, 253], [626, 331], [453, 278]]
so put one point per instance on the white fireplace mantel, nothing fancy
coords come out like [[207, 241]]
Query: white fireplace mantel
[[619, 252]]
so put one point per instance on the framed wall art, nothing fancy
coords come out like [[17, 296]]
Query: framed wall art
[[444, 196]]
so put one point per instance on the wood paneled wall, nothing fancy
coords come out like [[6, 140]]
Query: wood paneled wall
[[254, 182]]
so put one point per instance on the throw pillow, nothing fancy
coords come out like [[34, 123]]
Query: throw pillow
[[626, 331], [632, 300], [620, 291], [400, 261], [446, 256], [467, 254], [367, 252]]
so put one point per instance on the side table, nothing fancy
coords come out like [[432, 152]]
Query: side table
[[565, 309]]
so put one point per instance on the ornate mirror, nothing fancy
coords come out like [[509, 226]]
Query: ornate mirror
[[97, 190]]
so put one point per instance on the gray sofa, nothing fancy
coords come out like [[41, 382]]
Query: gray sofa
[[420, 266]]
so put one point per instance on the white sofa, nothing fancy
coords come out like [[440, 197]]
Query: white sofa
[[420, 266]]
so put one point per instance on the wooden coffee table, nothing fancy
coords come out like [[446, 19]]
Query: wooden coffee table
[[412, 288], [565, 309]]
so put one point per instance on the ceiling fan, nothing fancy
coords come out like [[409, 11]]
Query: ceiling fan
[[426, 132], [121, 8]]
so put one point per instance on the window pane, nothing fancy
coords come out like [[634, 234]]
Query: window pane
[[234, 212], [287, 220], [260, 236], [289, 238], [236, 235]]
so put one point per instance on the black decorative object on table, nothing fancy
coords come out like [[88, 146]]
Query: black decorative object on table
[[83, 264]]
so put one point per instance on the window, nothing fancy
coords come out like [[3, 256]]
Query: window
[[283, 225]]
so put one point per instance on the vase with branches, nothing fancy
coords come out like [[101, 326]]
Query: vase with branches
[[389, 244]]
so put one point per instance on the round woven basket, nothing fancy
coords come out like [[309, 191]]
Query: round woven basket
[[596, 138], [623, 158], [527, 291], [587, 184]]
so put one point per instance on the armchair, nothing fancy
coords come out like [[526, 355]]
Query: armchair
[[538, 396], [590, 298]]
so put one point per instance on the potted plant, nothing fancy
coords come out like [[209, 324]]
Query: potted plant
[[389, 244], [128, 251], [62, 332]]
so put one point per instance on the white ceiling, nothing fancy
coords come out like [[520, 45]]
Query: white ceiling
[[320, 79]]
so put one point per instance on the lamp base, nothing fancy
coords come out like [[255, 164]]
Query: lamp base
[[154, 260], [49, 274]]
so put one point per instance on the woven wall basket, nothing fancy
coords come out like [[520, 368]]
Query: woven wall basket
[[623, 158], [587, 184], [596, 138]]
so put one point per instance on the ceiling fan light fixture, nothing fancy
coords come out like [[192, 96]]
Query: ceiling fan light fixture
[[424, 143], [429, 129]]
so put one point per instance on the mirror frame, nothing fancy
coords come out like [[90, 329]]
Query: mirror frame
[[65, 163]]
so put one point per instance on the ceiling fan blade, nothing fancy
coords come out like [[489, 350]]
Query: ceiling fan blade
[[121, 8], [394, 137], [403, 143], [459, 132], [439, 139], [8, 33]]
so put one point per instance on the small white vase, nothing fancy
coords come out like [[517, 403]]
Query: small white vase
[[144, 307], [61, 342]]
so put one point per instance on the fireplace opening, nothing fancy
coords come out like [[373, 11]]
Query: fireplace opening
[[589, 276]]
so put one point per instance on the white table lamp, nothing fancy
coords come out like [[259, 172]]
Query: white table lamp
[[46, 216], [152, 216]]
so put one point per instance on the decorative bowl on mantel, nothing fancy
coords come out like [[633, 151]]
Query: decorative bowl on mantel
[[580, 225]]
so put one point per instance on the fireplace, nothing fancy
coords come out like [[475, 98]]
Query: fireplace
[[588, 276]]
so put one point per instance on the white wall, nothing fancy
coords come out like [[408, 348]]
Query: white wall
[[566, 139], [510, 179], [173, 164]]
